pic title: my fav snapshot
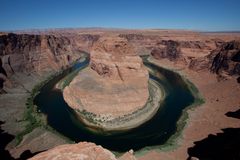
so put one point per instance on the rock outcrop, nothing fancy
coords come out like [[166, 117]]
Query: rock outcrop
[[226, 58], [178, 50], [39, 53], [116, 84], [201, 63], [79, 151], [35, 53], [168, 49]]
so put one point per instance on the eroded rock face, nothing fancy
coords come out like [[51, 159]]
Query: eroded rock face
[[169, 49], [40, 53], [201, 63], [226, 58], [181, 50], [115, 84]]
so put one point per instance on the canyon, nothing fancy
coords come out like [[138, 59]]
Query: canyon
[[210, 60]]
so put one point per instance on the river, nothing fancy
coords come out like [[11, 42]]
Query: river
[[154, 132]]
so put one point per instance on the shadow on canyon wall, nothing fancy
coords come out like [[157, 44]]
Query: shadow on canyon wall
[[223, 146], [5, 138], [238, 79]]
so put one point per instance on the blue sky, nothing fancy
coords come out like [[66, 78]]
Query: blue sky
[[205, 15]]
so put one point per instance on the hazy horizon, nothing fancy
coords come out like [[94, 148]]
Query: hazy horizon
[[112, 28], [205, 16]]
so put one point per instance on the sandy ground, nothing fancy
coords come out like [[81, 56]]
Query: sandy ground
[[209, 118]]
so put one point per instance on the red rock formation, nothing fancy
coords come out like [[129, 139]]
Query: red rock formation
[[118, 81], [39, 53], [226, 58], [79, 151], [170, 49], [82, 150]]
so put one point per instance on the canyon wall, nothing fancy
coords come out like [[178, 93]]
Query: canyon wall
[[215, 53], [38, 54], [48, 51], [53, 50]]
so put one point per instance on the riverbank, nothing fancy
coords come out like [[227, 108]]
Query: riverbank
[[67, 79], [206, 119]]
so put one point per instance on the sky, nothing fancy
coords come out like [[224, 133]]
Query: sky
[[201, 15]]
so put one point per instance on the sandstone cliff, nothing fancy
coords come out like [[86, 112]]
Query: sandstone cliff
[[35, 53], [167, 49], [40, 53], [224, 60], [53, 49]]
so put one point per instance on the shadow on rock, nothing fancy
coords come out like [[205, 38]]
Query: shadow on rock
[[223, 146], [235, 114], [5, 138], [27, 154]]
